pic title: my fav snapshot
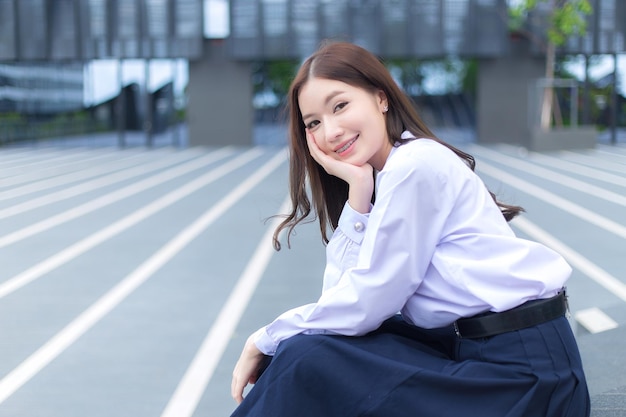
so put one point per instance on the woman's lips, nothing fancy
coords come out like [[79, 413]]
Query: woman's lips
[[346, 146]]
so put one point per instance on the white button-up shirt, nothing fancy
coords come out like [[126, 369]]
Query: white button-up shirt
[[434, 247]]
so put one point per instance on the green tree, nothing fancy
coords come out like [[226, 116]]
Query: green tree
[[563, 18], [409, 73], [453, 74], [274, 75]]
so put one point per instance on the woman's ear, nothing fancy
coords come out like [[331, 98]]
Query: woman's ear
[[382, 101]]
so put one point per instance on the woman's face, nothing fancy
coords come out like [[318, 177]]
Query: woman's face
[[347, 122]]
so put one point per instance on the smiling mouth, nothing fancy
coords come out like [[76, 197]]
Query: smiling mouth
[[346, 146]]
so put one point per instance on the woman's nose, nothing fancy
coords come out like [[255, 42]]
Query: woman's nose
[[332, 130]]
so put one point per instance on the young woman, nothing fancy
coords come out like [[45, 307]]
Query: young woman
[[431, 306]]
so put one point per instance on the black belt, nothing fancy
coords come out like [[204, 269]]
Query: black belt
[[526, 315]]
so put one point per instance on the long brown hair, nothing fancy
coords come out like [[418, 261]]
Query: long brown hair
[[358, 67]]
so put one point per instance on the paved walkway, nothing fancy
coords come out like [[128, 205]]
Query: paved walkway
[[130, 278]]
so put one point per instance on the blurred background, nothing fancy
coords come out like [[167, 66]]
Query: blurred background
[[135, 242], [216, 71]]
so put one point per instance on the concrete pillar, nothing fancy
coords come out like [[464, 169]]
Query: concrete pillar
[[502, 102], [219, 110]]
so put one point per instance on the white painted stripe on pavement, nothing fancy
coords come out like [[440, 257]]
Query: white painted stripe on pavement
[[81, 324], [610, 152], [550, 175], [91, 185], [594, 161], [580, 169], [551, 198], [64, 157], [119, 226], [111, 198], [28, 157], [577, 260], [595, 320], [193, 384], [58, 175], [81, 162], [10, 153]]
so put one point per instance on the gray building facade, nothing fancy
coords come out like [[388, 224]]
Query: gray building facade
[[41, 88], [220, 97]]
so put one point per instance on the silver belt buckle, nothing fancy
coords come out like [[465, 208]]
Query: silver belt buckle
[[456, 330]]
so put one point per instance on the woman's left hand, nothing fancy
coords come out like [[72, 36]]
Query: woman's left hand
[[360, 179], [247, 370], [346, 171]]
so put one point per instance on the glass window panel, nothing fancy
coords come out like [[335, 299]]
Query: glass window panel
[[487, 32], [365, 24], [188, 19], [245, 18], [63, 34], [216, 22], [94, 29], [157, 18], [275, 17], [246, 36], [620, 26], [275, 37], [32, 26], [97, 16], [395, 29], [7, 30], [606, 26], [454, 25], [127, 19], [334, 15], [304, 23], [426, 29]]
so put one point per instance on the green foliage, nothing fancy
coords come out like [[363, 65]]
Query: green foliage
[[452, 75], [15, 126], [280, 74], [565, 18], [409, 73], [470, 77], [274, 75], [11, 117]]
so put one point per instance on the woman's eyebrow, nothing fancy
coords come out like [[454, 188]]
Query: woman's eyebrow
[[329, 97]]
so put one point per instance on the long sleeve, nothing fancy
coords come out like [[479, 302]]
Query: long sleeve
[[434, 247], [392, 247]]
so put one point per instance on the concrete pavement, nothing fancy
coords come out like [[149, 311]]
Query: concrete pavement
[[131, 277]]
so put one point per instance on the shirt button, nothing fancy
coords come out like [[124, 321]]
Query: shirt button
[[359, 227]]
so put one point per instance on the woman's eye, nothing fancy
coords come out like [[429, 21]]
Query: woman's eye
[[340, 106], [312, 124]]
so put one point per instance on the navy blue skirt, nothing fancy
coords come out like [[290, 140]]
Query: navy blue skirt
[[402, 370]]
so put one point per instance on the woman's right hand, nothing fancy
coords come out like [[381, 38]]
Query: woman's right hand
[[360, 179], [247, 370]]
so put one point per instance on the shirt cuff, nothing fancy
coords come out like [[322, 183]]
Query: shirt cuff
[[352, 223], [264, 342]]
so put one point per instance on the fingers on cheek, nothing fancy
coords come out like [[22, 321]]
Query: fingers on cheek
[[310, 138], [311, 144], [313, 150]]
